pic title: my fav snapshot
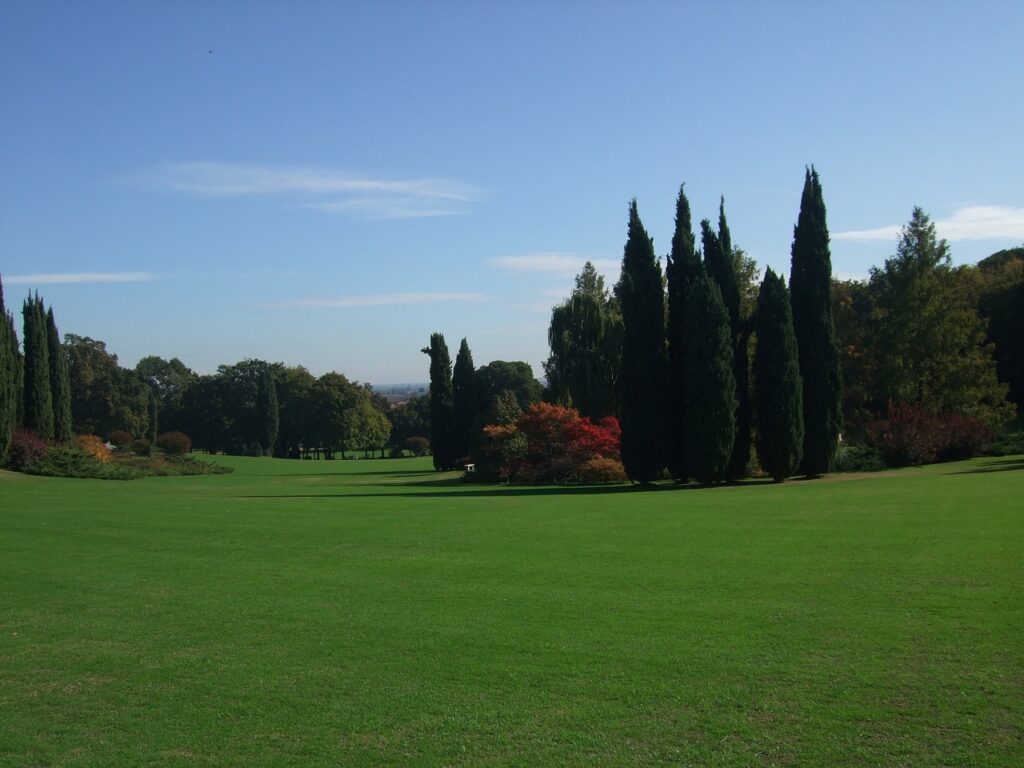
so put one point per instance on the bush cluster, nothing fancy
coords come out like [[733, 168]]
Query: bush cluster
[[909, 435], [174, 443], [25, 450]]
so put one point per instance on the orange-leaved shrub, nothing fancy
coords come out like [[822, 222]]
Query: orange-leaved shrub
[[94, 446]]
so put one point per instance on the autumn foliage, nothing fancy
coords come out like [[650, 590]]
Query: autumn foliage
[[551, 443]]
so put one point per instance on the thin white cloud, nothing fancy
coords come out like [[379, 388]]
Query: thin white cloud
[[80, 277], [377, 300], [326, 189], [552, 262], [972, 222]]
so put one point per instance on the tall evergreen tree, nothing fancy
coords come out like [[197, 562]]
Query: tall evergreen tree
[[441, 403], [38, 397], [60, 383], [644, 363], [9, 379], [779, 390], [813, 322], [710, 386], [154, 416], [464, 401], [268, 418], [682, 268]]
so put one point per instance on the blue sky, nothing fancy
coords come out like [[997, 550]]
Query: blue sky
[[327, 183]]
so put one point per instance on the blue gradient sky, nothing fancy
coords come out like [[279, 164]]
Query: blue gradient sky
[[326, 184]]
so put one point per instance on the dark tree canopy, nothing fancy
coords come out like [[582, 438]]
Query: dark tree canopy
[[682, 268], [10, 364], [60, 384], [811, 298], [465, 406], [500, 376], [644, 365], [267, 411], [441, 405], [778, 388]]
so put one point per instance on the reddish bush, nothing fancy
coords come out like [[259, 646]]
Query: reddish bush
[[25, 450], [94, 447], [910, 435], [141, 447], [121, 439], [600, 470], [418, 446], [175, 443]]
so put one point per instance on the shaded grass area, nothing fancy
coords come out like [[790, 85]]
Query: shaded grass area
[[376, 613]]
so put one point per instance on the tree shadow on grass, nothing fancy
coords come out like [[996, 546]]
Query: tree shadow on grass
[[1000, 465]]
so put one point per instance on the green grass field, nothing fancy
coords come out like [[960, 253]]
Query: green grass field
[[373, 613]]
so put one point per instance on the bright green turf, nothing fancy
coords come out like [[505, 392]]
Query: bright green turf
[[363, 613]]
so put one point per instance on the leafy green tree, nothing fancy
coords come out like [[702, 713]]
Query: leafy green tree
[[170, 378], [38, 397], [441, 406], [811, 296], [465, 409], [267, 411], [295, 387], [644, 365], [1001, 303], [500, 376], [10, 393], [208, 402], [710, 387], [682, 268], [410, 419], [60, 384], [585, 338], [926, 338], [778, 388]]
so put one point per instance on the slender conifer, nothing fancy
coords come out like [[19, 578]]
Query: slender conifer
[[60, 383], [38, 398], [464, 401], [441, 404]]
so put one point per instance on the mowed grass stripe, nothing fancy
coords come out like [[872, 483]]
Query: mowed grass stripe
[[373, 613]]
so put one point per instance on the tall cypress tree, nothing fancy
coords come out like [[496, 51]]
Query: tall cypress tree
[[441, 403], [154, 416], [644, 365], [721, 266], [60, 383], [710, 387], [268, 417], [9, 391], [38, 398], [811, 297], [682, 268], [464, 401], [778, 387]]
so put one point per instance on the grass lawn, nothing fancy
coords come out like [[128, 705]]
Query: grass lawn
[[374, 613]]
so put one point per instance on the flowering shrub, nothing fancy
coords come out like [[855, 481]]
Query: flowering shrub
[[93, 446]]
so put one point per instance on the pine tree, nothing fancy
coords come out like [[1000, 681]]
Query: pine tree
[[38, 398], [464, 401], [710, 386], [441, 403], [814, 325], [682, 268], [268, 416], [60, 383], [778, 388], [644, 363], [9, 390]]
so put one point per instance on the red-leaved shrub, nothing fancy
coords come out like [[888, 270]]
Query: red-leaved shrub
[[175, 443], [25, 450], [121, 439], [910, 435]]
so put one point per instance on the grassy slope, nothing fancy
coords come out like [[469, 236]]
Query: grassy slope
[[363, 613]]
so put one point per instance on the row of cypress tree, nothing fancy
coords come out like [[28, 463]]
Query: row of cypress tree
[[691, 361], [453, 402], [35, 389]]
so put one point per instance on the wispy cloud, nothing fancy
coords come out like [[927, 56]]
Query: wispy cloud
[[376, 300], [552, 262], [972, 222], [80, 277], [323, 189]]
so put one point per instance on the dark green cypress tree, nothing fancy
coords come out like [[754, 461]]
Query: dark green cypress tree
[[778, 387], [464, 401], [810, 286], [60, 383], [682, 268], [9, 391], [644, 364], [710, 387], [268, 416], [38, 413], [441, 404], [154, 416]]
